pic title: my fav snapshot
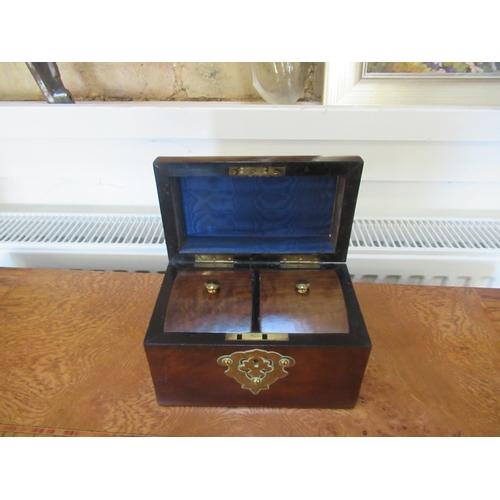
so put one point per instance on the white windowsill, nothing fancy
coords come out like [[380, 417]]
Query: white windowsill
[[229, 121]]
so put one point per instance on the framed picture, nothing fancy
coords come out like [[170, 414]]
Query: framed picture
[[431, 69], [412, 84]]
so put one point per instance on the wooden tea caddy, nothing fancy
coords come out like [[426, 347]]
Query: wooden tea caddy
[[257, 307]]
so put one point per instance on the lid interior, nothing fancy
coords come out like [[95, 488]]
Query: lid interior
[[207, 207], [257, 214]]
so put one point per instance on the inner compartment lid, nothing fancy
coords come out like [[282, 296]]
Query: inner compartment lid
[[259, 205]]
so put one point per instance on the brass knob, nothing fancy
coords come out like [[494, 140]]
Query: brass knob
[[212, 286], [302, 286]]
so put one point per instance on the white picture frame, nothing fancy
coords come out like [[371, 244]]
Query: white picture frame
[[345, 85]]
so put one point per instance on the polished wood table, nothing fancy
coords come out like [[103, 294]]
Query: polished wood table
[[72, 363]]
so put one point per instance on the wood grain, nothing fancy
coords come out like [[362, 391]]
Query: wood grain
[[490, 299], [192, 309], [71, 347], [190, 375], [22, 431], [8, 281], [435, 366], [72, 360], [321, 310]]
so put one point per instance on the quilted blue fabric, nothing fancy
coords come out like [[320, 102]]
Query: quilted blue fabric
[[258, 214]]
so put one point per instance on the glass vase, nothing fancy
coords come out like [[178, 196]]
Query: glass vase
[[279, 82]]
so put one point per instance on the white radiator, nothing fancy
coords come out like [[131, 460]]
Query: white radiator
[[447, 252]]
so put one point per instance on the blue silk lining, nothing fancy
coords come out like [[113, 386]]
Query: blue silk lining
[[258, 214]]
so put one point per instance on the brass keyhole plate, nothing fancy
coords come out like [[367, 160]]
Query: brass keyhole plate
[[256, 369]]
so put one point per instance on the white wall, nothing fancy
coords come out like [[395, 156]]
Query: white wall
[[425, 161]]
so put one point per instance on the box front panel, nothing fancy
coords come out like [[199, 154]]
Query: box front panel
[[256, 375]]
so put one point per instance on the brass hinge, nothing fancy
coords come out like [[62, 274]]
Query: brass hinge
[[213, 260], [300, 261], [257, 171]]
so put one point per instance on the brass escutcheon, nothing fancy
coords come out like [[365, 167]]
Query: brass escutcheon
[[212, 286], [256, 369], [302, 286]]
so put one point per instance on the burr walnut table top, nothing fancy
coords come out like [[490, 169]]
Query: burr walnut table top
[[72, 363]]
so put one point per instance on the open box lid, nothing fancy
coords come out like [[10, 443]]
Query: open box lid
[[258, 208]]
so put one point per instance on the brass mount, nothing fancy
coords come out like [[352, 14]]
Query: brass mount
[[302, 286], [212, 286]]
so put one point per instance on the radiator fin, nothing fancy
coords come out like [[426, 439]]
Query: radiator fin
[[108, 229], [148, 230], [444, 252], [426, 233]]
